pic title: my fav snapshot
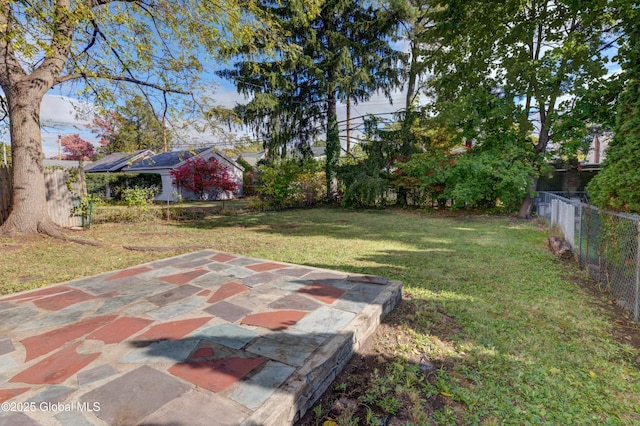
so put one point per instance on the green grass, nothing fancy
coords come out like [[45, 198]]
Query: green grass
[[530, 348]]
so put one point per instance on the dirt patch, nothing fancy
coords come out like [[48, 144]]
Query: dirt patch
[[623, 329], [348, 399], [10, 248]]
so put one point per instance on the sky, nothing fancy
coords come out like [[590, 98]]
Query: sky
[[58, 116]]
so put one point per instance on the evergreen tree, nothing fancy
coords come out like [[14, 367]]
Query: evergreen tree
[[617, 186], [343, 51]]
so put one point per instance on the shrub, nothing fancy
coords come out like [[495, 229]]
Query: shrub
[[204, 178], [140, 198], [97, 182], [292, 183], [425, 174]]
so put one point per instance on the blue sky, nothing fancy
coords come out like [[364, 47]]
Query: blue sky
[[58, 114]]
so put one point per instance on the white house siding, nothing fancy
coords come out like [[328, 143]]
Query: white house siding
[[171, 193]]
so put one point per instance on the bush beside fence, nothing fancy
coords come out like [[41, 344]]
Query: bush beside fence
[[607, 244]]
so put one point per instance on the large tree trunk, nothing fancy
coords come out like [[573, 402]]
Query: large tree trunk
[[29, 212], [332, 149], [541, 147], [527, 203]]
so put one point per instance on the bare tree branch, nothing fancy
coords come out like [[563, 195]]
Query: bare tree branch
[[69, 77]]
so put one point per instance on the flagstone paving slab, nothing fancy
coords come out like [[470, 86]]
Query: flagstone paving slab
[[227, 290], [52, 394], [6, 346], [176, 309], [227, 311], [202, 338], [199, 409], [253, 392], [89, 376], [173, 295], [134, 395]]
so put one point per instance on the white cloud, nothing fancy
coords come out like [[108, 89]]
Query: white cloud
[[62, 115]]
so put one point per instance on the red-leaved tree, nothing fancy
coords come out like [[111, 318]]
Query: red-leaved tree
[[76, 148], [203, 177]]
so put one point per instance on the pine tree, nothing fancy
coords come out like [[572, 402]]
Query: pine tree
[[343, 51]]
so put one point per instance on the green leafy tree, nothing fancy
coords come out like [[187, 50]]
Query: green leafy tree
[[536, 52], [343, 51], [617, 186], [108, 46], [133, 126]]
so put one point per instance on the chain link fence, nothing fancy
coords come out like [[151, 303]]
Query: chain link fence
[[606, 244]]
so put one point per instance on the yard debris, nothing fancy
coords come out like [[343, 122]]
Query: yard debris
[[560, 248]]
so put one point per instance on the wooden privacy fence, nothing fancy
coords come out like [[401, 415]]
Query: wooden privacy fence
[[59, 197]]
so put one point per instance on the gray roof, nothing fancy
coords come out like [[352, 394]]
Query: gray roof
[[166, 160], [116, 161], [171, 160], [318, 151], [252, 157]]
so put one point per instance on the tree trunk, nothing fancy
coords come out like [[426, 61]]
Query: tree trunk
[[413, 75], [29, 212], [527, 203], [541, 147], [332, 149]]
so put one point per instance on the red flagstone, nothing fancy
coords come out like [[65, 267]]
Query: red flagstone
[[267, 266], [120, 329], [202, 353], [47, 342], [7, 394], [226, 291], [173, 330], [62, 300], [183, 278], [222, 257], [277, 320], [130, 272], [215, 375], [47, 291], [323, 293], [204, 292], [56, 368]]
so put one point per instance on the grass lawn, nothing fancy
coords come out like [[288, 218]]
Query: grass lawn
[[493, 329]]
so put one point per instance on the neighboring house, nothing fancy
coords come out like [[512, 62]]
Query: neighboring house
[[116, 162], [251, 158], [318, 152], [598, 148], [163, 163]]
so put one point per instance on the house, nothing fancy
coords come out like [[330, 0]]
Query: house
[[598, 148], [318, 152], [115, 163], [165, 162], [251, 158]]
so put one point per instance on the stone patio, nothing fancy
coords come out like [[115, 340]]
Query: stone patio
[[206, 338]]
